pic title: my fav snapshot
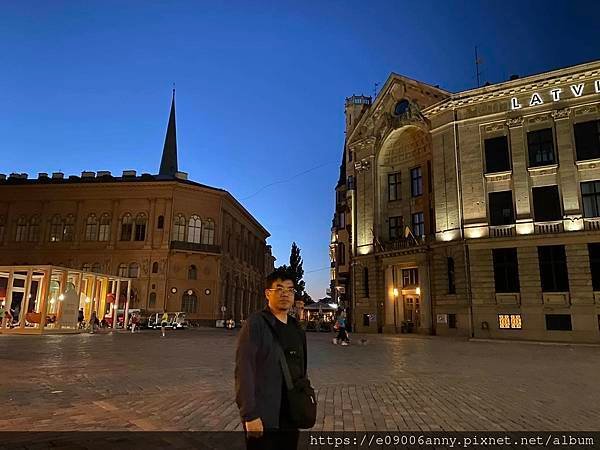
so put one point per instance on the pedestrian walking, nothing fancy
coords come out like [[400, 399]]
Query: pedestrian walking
[[93, 322], [134, 321], [273, 392], [342, 336], [164, 321]]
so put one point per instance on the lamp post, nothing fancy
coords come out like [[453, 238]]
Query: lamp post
[[395, 309]]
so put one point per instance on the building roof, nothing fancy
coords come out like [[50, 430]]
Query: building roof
[[168, 163]]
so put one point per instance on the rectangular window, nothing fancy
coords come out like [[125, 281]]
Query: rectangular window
[[540, 146], [394, 186], [509, 321], [590, 194], [497, 158], [410, 277], [396, 225], [501, 208], [553, 268], [366, 320], [451, 320], [126, 231], [546, 204], [416, 182], [594, 253], [559, 322], [140, 231], [342, 220], [366, 281], [587, 140], [418, 223], [506, 270], [451, 276]]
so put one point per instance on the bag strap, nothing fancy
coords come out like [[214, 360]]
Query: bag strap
[[282, 361]]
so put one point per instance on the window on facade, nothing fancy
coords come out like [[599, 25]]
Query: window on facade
[[140, 227], [594, 254], [208, 233], [418, 224], [587, 140], [161, 222], [154, 267], [34, 229], [366, 320], [341, 219], [21, 231], [546, 204], [56, 228], [126, 227], [394, 186], [506, 270], [451, 275], [96, 267], [192, 272], [509, 321], [540, 144], [189, 303], [87, 267], [416, 182], [497, 157], [91, 228], [194, 232], [152, 300], [558, 322], [410, 277], [396, 227], [179, 228], [590, 194], [69, 228], [366, 281], [451, 320], [501, 208], [104, 229], [341, 259], [553, 268], [123, 270], [134, 270]]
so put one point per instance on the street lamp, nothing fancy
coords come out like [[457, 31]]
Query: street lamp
[[395, 309]]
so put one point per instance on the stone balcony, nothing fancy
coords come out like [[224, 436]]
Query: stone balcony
[[195, 247]]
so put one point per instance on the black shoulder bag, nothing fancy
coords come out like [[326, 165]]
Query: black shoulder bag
[[301, 395]]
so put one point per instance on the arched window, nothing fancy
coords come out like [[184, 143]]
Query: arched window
[[87, 267], [91, 228], [192, 273], [134, 270], [189, 302], [208, 233], [104, 232], [126, 227], [123, 270], [34, 229], [21, 234], [140, 227], [69, 228], [154, 267], [96, 268], [56, 228], [194, 229], [161, 222], [152, 300], [179, 228]]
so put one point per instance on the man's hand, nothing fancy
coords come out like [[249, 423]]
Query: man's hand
[[254, 428]]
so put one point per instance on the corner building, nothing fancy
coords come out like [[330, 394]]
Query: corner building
[[187, 246], [474, 213]]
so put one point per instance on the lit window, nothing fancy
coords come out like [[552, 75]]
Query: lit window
[[509, 321]]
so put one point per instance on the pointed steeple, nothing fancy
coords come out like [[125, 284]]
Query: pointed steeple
[[168, 163]]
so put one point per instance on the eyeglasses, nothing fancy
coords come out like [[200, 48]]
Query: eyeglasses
[[281, 290]]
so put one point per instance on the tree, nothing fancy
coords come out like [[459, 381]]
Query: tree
[[296, 271]]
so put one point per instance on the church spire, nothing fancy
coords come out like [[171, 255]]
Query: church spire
[[168, 163]]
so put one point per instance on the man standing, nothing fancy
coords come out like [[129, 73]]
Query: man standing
[[261, 393]]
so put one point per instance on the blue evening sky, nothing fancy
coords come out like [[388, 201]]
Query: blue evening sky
[[260, 87]]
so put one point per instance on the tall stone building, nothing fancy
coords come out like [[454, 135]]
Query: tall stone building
[[188, 247], [474, 213]]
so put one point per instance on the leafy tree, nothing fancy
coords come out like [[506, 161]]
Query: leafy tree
[[296, 271]]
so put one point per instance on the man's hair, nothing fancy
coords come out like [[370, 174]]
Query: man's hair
[[281, 273]]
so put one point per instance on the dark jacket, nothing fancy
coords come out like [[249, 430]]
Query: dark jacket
[[258, 377]]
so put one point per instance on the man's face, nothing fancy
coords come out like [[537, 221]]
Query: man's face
[[281, 295]]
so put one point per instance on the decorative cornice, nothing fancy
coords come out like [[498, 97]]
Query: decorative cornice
[[560, 114], [514, 122]]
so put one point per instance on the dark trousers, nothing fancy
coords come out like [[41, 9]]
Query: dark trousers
[[342, 335], [283, 438]]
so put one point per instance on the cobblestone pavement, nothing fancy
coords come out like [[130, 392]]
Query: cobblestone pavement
[[120, 381]]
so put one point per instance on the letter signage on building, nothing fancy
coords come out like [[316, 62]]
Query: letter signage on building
[[554, 95]]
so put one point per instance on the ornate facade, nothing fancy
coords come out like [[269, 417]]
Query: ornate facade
[[473, 213], [187, 247]]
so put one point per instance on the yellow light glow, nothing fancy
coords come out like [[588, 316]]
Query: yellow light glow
[[395, 292], [418, 290], [61, 297]]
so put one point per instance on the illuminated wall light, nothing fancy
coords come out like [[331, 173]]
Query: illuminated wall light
[[418, 291], [395, 292], [61, 297], [87, 300]]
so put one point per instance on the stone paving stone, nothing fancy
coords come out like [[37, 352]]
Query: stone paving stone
[[120, 381]]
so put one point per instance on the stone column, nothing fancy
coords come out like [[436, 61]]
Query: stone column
[[389, 307], [567, 171], [425, 297], [520, 176]]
